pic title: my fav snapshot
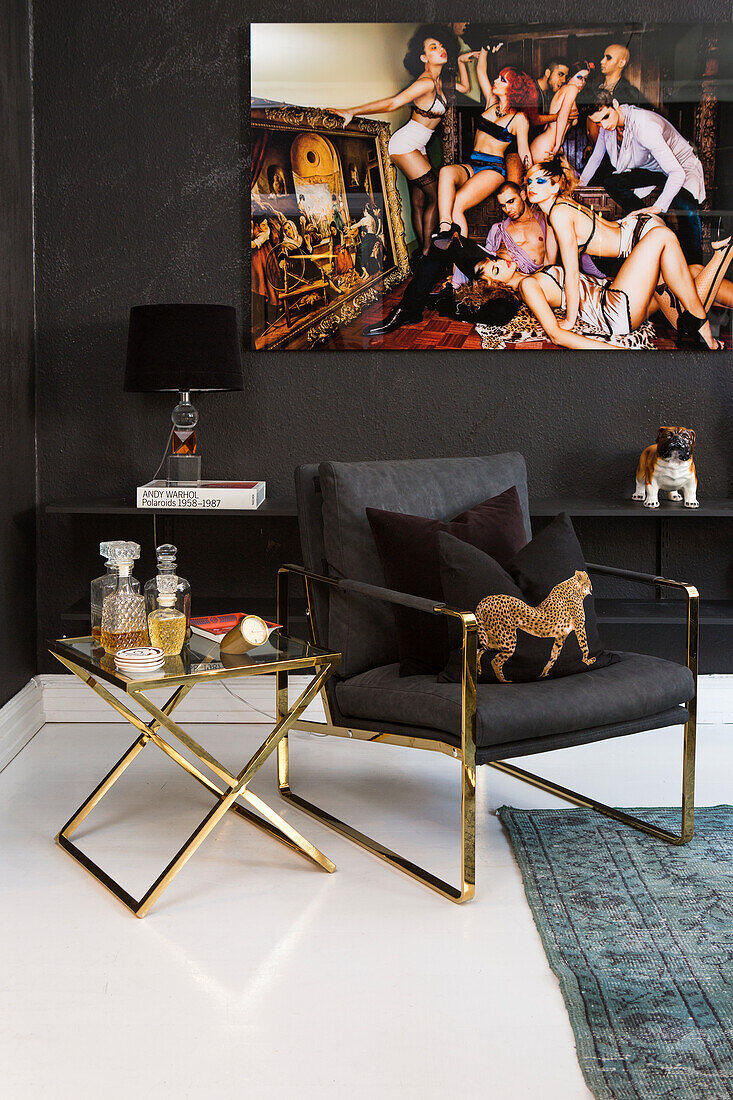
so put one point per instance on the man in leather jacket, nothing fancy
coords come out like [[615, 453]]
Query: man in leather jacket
[[431, 268]]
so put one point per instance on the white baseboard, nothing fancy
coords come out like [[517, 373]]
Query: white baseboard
[[20, 720], [715, 700], [67, 699], [62, 698]]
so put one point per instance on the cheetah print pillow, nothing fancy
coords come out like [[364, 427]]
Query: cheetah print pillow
[[535, 619]]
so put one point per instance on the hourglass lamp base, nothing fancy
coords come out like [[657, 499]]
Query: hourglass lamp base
[[184, 465]]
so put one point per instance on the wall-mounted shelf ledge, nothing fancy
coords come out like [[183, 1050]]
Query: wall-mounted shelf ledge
[[636, 615], [117, 507], [668, 509], [609, 611], [284, 506], [662, 612]]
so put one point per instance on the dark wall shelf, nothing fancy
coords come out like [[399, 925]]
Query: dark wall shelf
[[609, 509], [668, 509], [633, 623], [75, 619], [610, 611], [662, 612], [115, 506]]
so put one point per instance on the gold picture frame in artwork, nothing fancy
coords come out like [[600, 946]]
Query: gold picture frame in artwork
[[327, 230]]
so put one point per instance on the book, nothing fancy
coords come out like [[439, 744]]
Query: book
[[216, 626], [206, 495]]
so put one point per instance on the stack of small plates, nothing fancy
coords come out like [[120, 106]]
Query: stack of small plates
[[146, 658]]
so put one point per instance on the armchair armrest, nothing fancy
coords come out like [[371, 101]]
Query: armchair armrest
[[417, 603], [642, 578], [693, 612], [361, 588], [375, 592], [692, 630]]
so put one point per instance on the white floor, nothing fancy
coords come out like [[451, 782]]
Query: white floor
[[258, 975]]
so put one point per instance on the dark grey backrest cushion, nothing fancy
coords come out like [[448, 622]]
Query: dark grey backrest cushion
[[363, 630]]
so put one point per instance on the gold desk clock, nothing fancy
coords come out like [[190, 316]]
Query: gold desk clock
[[250, 632]]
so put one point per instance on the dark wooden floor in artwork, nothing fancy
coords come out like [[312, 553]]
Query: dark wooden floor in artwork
[[436, 333]]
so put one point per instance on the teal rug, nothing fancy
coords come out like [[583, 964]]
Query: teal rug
[[640, 935]]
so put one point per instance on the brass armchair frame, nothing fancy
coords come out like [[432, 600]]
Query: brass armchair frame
[[466, 753]]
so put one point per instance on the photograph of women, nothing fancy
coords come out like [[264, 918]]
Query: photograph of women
[[473, 185]]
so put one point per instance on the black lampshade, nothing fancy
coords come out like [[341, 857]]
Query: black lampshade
[[182, 347]]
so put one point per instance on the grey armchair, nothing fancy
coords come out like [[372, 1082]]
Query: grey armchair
[[367, 700]]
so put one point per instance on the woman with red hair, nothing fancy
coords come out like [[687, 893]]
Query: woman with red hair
[[511, 107]]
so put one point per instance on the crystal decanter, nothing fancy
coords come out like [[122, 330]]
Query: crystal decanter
[[166, 555], [124, 622], [103, 586], [167, 625]]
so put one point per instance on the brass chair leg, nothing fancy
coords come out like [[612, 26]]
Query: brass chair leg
[[468, 838], [467, 888], [688, 794]]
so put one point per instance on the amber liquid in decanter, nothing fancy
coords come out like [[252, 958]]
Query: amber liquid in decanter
[[113, 641]]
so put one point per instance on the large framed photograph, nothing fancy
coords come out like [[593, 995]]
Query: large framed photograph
[[327, 235], [445, 186]]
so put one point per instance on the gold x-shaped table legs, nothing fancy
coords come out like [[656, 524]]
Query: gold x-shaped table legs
[[228, 798]]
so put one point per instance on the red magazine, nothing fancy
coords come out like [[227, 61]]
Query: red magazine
[[215, 626]]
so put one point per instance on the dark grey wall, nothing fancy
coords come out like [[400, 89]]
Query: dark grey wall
[[141, 132], [17, 436]]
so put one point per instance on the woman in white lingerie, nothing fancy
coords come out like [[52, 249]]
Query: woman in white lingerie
[[618, 307], [432, 48]]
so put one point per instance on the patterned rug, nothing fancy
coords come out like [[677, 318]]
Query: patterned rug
[[640, 935], [525, 327]]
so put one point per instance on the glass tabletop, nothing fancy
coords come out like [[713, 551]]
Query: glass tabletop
[[199, 659]]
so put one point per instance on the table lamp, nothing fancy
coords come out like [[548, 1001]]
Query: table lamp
[[183, 349]]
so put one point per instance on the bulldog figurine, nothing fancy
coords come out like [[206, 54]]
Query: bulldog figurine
[[668, 465]]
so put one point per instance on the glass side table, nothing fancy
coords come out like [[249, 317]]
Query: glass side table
[[199, 662]]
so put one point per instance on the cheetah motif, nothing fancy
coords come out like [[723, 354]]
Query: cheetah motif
[[525, 327], [500, 617]]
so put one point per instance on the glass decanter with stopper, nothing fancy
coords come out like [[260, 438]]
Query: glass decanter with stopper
[[103, 586], [166, 555], [124, 622], [167, 625]]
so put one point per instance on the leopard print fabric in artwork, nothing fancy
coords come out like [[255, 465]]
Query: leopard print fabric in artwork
[[500, 617], [524, 328]]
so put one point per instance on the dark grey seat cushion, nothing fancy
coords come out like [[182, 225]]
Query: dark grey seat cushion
[[631, 688], [363, 630]]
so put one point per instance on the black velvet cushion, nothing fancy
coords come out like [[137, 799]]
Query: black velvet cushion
[[337, 531], [408, 550], [536, 618]]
